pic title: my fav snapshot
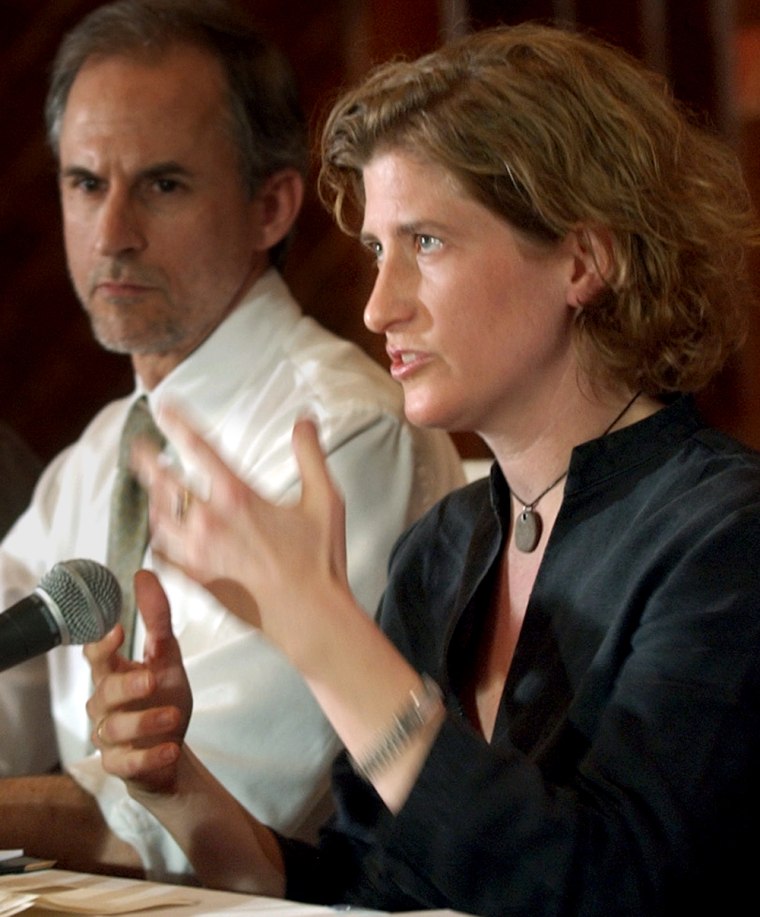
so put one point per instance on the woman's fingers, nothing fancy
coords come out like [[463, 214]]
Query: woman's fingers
[[209, 472], [188, 508], [241, 546], [154, 611], [140, 710], [320, 497], [150, 767], [309, 454], [136, 727], [136, 743], [131, 745], [103, 655], [119, 689]]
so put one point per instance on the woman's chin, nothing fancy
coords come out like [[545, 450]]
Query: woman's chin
[[424, 413]]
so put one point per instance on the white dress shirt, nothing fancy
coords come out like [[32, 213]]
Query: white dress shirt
[[254, 723]]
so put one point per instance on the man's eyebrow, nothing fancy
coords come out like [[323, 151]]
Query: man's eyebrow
[[162, 169], [76, 172], [158, 170]]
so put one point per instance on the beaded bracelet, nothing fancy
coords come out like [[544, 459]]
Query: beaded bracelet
[[415, 715]]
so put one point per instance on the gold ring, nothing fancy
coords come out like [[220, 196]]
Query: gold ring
[[99, 732], [182, 504]]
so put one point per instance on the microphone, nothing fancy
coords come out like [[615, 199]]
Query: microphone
[[78, 601]]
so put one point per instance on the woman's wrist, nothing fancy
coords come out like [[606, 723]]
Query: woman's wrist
[[385, 714], [318, 644], [424, 705], [164, 788]]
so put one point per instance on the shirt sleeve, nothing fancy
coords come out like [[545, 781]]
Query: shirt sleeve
[[387, 477], [27, 735], [162, 858]]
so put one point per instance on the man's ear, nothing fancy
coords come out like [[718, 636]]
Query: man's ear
[[592, 264], [276, 206]]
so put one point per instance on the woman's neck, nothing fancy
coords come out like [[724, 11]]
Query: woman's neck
[[534, 452]]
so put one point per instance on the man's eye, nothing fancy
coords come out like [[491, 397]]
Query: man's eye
[[85, 183], [426, 243], [166, 185]]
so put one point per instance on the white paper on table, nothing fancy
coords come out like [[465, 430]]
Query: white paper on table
[[106, 896], [14, 903], [274, 907]]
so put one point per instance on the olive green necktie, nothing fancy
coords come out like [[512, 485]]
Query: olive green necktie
[[128, 521]]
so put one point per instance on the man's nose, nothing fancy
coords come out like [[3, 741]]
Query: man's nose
[[119, 229]]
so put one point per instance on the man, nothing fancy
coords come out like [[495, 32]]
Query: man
[[181, 154]]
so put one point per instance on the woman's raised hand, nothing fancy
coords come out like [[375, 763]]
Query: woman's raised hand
[[265, 562]]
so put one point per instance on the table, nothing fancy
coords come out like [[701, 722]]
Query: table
[[58, 891]]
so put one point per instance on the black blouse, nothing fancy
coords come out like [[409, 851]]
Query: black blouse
[[623, 773]]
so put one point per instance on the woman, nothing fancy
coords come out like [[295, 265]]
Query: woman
[[559, 712]]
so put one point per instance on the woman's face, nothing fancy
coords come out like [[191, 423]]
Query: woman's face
[[477, 319]]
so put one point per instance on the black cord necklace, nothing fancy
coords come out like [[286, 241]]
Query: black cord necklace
[[528, 523]]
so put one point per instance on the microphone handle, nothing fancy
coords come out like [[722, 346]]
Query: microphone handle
[[27, 629]]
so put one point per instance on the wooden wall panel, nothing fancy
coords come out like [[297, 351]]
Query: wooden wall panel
[[745, 390], [53, 376]]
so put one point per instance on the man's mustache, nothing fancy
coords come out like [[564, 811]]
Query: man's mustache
[[118, 272]]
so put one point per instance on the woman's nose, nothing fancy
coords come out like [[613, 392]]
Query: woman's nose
[[391, 301]]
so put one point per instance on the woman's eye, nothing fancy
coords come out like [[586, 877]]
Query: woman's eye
[[375, 249], [426, 243]]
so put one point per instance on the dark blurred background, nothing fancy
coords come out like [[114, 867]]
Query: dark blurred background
[[53, 377]]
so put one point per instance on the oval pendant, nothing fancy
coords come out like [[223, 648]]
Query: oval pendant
[[527, 531]]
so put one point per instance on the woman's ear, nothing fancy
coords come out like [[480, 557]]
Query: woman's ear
[[592, 264], [276, 206]]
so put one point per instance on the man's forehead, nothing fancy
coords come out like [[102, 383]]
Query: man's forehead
[[147, 114], [187, 83]]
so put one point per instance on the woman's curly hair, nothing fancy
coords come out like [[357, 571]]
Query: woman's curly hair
[[556, 131]]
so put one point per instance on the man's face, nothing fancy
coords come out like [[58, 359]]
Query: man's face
[[161, 235]]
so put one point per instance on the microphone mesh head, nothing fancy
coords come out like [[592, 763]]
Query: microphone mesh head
[[88, 596]]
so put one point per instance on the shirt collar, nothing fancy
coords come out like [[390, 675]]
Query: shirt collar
[[594, 461], [243, 347]]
